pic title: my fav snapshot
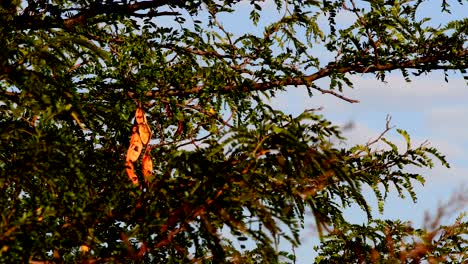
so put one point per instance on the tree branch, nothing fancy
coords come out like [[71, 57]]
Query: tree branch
[[308, 81], [359, 68], [26, 21], [114, 8], [324, 72]]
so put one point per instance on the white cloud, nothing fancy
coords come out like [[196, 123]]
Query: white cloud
[[450, 121], [419, 95]]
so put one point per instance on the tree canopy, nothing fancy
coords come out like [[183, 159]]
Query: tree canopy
[[141, 131]]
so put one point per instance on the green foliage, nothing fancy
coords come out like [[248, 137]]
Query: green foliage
[[228, 168], [394, 242]]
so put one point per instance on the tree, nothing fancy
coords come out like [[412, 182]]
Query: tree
[[220, 164]]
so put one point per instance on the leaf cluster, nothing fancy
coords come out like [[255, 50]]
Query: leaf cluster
[[232, 176]]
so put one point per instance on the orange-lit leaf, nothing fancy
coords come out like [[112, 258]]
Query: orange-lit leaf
[[84, 248]]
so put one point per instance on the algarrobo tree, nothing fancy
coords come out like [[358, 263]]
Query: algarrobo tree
[[226, 166]]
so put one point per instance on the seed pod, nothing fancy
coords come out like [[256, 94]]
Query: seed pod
[[147, 165], [141, 135], [143, 128], [131, 172], [145, 133], [140, 117], [135, 148], [180, 128]]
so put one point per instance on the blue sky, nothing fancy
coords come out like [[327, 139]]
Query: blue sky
[[428, 108]]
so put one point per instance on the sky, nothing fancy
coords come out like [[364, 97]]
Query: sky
[[428, 108]]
